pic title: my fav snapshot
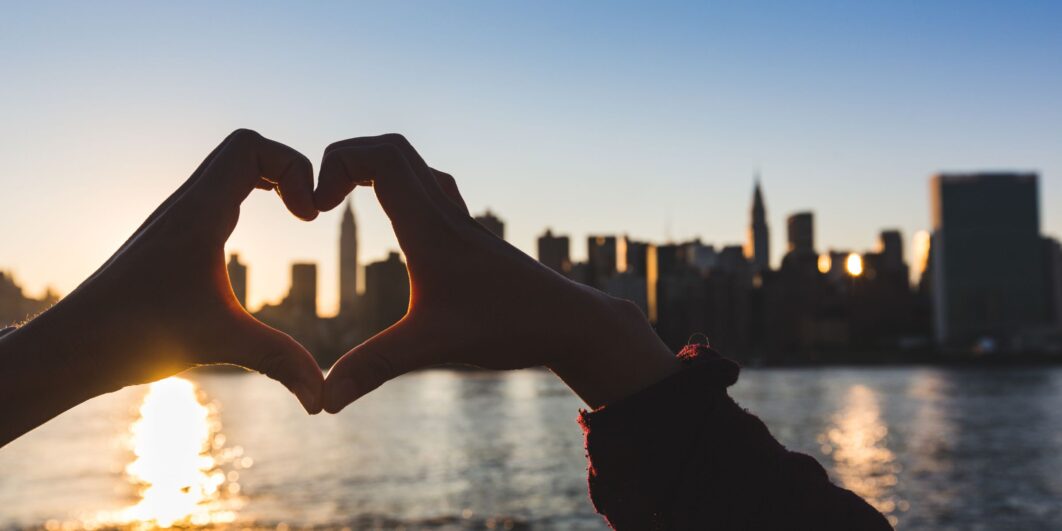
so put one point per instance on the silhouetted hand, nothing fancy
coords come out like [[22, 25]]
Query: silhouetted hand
[[475, 299], [163, 302]]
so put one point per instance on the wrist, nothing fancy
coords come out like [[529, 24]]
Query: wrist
[[617, 357]]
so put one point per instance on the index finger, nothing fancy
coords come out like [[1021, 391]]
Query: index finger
[[399, 190], [247, 159]]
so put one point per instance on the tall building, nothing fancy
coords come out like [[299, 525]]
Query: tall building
[[492, 223], [800, 231], [636, 254], [757, 245], [297, 315], [386, 292], [988, 282], [881, 308], [553, 252], [890, 245], [702, 257], [302, 297], [601, 257], [348, 264], [238, 278]]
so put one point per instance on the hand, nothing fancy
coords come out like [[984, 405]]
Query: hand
[[163, 303], [474, 299]]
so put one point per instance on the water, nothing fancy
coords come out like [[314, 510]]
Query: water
[[932, 448]]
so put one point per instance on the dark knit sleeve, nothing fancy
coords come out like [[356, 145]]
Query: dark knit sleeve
[[683, 455]]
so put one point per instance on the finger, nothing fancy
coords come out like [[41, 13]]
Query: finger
[[295, 184], [399, 190], [341, 171], [247, 160], [389, 354], [263, 184], [449, 187], [278, 356], [424, 174]]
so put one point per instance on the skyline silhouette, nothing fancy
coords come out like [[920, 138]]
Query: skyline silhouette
[[818, 298], [914, 245]]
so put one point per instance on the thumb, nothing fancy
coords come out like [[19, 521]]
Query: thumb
[[391, 353], [278, 356]]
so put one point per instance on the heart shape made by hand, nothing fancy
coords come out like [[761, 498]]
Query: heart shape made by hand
[[474, 299]]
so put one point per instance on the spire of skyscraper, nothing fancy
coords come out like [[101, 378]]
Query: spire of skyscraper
[[757, 245], [348, 263]]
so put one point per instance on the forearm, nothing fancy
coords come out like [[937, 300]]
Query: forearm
[[39, 380]]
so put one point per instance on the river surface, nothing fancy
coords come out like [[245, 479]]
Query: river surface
[[932, 448]]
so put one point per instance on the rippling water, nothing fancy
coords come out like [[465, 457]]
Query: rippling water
[[931, 448]]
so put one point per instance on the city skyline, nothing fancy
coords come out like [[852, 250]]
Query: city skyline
[[818, 302], [650, 121], [913, 249]]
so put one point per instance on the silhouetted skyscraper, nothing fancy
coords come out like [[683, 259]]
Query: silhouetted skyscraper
[[348, 263], [553, 252], [386, 292], [890, 245], [636, 256], [302, 298], [492, 223], [988, 279], [601, 257], [757, 246], [238, 278], [296, 314], [800, 229], [701, 257]]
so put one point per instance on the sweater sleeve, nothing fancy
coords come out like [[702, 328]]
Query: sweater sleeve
[[683, 455]]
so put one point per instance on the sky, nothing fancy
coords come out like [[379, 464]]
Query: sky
[[649, 119]]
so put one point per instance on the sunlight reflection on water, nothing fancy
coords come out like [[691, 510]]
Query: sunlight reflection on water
[[179, 460], [863, 462], [937, 449]]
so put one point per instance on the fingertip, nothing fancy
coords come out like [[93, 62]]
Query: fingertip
[[296, 189], [332, 183], [339, 393], [309, 215], [309, 399], [323, 202], [285, 360]]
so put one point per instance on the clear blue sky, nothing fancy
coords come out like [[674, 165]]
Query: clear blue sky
[[648, 119]]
